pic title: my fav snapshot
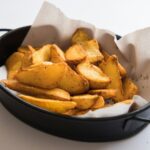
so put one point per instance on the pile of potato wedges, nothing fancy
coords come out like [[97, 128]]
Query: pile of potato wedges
[[72, 81]]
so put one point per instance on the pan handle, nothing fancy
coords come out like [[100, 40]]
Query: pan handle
[[143, 119], [5, 30]]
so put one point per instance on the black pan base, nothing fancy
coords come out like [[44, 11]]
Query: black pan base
[[84, 129]]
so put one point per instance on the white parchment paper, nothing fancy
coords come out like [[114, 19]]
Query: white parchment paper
[[133, 50]]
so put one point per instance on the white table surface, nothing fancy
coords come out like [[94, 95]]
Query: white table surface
[[120, 16]]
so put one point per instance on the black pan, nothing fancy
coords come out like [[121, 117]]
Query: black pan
[[83, 129]]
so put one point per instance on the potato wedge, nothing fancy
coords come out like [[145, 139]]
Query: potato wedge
[[56, 93], [92, 50], [94, 75], [13, 64], [80, 36], [45, 75], [85, 101], [73, 82], [75, 112], [100, 102], [49, 104], [105, 93], [57, 55], [41, 55], [110, 68], [130, 89], [75, 54], [122, 70]]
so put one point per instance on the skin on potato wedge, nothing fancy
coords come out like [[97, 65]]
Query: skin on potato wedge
[[53, 75], [56, 54], [79, 36], [85, 101], [122, 70], [110, 68], [105, 93], [75, 112], [75, 54], [73, 82], [130, 89], [92, 51], [94, 75], [49, 104], [56, 93], [100, 102], [45, 75], [26, 49], [41, 55], [13, 64]]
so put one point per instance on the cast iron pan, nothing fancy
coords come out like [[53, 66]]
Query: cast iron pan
[[85, 129]]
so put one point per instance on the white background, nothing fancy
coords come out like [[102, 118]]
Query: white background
[[120, 16]]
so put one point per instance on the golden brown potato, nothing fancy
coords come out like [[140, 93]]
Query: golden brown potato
[[56, 93], [106, 93], [45, 75], [130, 89], [94, 75], [92, 51], [57, 55], [80, 36], [49, 104], [13, 64], [73, 82], [75, 112], [26, 49], [41, 55], [53, 75], [85, 101], [110, 68], [99, 103], [122, 70], [75, 54]]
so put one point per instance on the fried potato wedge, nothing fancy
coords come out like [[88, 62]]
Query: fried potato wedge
[[49, 104], [26, 49], [80, 36], [41, 55], [122, 70], [105, 93], [92, 51], [73, 82], [56, 93], [75, 112], [94, 75], [13, 64], [57, 55], [130, 89], [75, 54], [45, 75], [100, 102], [110, 68], [85, 101]]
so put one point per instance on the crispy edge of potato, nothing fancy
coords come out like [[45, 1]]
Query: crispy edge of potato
[[110, 68], [130, 88], [49, 104], [79, 36], [95, 83], [13, 64], [92, 50], [56, 93], [106, 93], [56, 54], [75, 54], [85, 101], [100, 102]]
